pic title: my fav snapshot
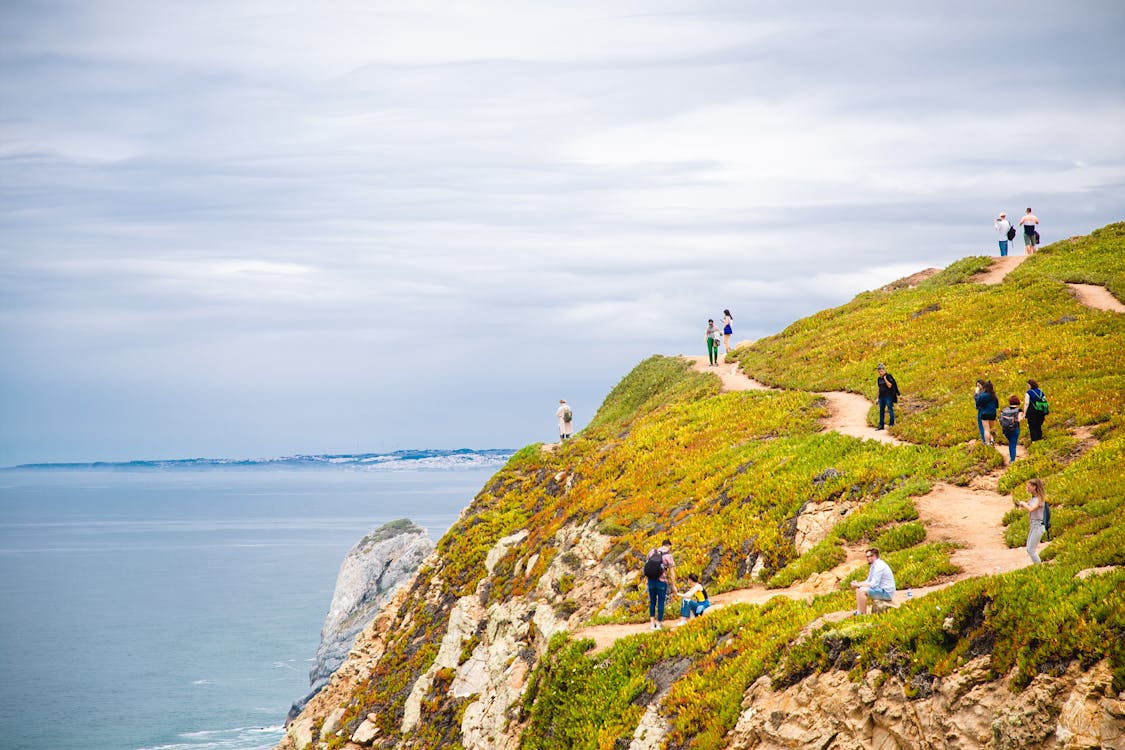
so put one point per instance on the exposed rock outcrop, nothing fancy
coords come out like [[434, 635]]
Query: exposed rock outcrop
[[369, 574], [967, 710]]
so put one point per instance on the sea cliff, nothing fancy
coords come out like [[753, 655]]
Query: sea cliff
[[527, 627]]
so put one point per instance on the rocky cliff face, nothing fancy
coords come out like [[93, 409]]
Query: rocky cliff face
[[369, 574]]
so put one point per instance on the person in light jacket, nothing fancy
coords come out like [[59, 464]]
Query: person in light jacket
[[1002, 225], [566, 419], [880, 583]]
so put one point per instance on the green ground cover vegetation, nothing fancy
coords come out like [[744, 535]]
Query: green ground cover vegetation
[[725, 474]]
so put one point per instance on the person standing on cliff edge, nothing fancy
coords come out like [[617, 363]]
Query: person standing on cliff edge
[[1030, 224], [888, 394], [566, 420]]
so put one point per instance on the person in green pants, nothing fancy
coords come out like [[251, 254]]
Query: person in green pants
[[712, 343]]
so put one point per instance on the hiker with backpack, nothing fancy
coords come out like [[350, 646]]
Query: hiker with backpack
[[695, 600], [1035, 409], [984, 396], [1006, 231], [1010, 425], [1038, 516], [566, 420], [660, 571]]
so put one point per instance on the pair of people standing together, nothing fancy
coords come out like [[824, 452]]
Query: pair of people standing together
[[713, 338], [1030, 224]]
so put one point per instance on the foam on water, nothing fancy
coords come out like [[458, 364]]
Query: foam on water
[[242, 738]]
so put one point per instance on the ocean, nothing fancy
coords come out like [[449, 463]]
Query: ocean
[[178, 605]]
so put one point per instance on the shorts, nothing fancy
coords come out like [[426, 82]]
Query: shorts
[[1029, 239], [727, 330], [881, 594], [990, 417]]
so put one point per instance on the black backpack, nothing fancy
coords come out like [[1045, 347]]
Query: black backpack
[[1046, 520], [1011, 232], [654, 565]]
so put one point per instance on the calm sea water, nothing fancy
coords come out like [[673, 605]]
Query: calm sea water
[[180, 609]]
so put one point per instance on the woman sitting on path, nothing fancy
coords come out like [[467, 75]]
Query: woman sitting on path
[[1034, 409], [695, 600], [1010, 424], [1035, 512], [987, 404], [727, 330]]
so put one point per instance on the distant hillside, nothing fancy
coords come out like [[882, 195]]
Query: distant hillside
[[479, 651]]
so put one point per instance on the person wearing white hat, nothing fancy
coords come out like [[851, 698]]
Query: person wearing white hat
[[1002, 226]]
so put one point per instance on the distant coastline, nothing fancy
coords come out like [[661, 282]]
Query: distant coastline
[[402, 460]]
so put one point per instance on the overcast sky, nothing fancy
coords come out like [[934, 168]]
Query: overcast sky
[[249, 228]]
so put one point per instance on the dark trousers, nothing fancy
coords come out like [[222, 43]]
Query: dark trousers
[[886, 403], [657, 594], [1034, 421]]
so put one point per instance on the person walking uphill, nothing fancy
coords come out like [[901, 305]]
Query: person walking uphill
[[888, 394], [1010, 425], [727, 330], [984, 396], [660, 570], [566, 419], [712, 343], [1003, 227], [1035, 409]]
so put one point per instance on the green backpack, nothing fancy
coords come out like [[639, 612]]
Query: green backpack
[[1040, 404]]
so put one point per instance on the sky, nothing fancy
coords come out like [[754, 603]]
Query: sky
[[249, 229]]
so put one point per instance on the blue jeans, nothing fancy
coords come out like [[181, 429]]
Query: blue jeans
[[1003, 247], [1013, 438], [657, 594], [886, 403], [980, 426]]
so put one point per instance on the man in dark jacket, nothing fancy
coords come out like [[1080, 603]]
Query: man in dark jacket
[[888, 394]]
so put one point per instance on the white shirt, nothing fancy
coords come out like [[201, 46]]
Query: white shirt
[[880, 576], [1002, 226]]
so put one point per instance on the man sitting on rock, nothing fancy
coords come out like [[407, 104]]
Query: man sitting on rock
[[880, 583]]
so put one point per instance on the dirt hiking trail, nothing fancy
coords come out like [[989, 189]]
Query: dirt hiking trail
[[1000, 268], [969, 516], [1097, 297], [1091, 295]]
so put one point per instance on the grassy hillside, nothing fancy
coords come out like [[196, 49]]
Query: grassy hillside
[[937, 339], [726, 474]]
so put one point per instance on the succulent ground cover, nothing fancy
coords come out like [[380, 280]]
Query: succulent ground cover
[[726, 474]]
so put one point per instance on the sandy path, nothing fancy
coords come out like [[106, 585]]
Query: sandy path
[[1097, 297], [971, 516], [1000, 268], [847, 412]]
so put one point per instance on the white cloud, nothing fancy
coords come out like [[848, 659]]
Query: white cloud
[[478, 203]]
